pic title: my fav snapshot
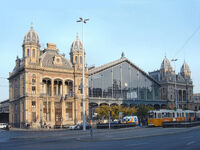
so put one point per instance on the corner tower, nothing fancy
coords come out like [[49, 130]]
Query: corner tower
[[31, 47], [76, 53]]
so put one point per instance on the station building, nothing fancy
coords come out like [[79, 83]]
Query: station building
[[168, 79], [44, 85]]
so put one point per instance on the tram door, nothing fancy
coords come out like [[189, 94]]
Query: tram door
[[58, 113]]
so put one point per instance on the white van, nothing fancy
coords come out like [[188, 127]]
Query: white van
[[3, 125], [130, 119]]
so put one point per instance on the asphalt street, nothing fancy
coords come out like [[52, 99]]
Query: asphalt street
[[137, 139]]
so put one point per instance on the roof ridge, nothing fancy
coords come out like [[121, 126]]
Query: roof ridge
[[107, 65]]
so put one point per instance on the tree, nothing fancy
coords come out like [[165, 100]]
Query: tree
[[142, 111], [115, 111], [128, 111], [103, 111]]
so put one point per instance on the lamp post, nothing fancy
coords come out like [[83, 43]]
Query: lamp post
[[83, 71], [175, 92]]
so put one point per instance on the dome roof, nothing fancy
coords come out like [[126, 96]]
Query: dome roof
[[31, 37], [185, 67], [52, 59], [165, 63], [77, 44]]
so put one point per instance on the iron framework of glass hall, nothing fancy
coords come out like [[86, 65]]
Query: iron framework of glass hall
[[122, 82]]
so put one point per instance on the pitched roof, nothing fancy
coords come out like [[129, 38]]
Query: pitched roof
[[116, 62]]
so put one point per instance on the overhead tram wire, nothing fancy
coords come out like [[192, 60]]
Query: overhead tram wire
[[187, 41]]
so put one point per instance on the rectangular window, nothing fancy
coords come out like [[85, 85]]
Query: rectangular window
[[47, 112], [33, 103], [33, 90], [69, 114]]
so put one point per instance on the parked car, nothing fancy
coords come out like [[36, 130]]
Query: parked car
[[3, 125], [79, 126], [74, 127]]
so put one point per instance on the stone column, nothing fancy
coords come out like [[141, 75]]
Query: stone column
[[63, 89], [52, 88], [52, 112], [41, 115], [63, 111]]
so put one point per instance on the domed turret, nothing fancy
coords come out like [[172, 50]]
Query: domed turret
[[185, 70], [31, 37], [31, 46], [166, 69], [76, 52], [165, 64], [77, 45], [185, 67]]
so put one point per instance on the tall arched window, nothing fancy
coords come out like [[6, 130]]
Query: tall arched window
[[33, 52], [27, 52], [80, 59]]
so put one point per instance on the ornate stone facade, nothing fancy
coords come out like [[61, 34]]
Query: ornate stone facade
[[166, 77], [44, 87]]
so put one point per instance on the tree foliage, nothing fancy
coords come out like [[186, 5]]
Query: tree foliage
[[142, 111], [103, 111]]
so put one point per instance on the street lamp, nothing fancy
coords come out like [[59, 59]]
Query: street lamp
[[175, 93], [83, 71]]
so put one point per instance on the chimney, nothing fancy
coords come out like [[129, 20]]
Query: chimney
[[51, 46]]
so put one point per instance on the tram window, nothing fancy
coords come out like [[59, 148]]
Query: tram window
[[168, 115], [159, 115], [186, 114], [164, 115], [173, 115], [151, 115]]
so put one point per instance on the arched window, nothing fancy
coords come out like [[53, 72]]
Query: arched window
[[33, 52], [27, 52], [76, 59], [80, 59]]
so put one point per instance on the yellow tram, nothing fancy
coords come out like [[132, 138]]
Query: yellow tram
[[157, 117]]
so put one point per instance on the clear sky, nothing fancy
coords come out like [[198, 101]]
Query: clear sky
[[145, 30]]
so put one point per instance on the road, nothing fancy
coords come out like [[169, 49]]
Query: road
[[151, 139]]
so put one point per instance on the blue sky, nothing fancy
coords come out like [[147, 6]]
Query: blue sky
[[145, 30]]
